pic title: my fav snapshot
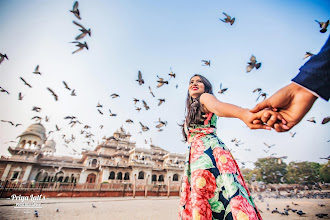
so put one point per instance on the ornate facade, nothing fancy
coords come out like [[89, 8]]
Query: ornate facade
[[116, 159]]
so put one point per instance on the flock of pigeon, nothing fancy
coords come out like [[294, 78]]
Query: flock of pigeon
[[291, 195], [161, 82], [83, 30]]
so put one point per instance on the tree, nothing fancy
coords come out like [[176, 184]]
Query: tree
[[325, 172], [303, 172], [248, 173], [270, 170]]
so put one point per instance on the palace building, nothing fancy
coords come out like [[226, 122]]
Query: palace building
[[116, 159]]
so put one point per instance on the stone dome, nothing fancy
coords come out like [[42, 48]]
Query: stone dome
[[35, 129], [38, 128], [50, 143]]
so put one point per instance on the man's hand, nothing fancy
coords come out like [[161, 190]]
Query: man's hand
[[292, 101]]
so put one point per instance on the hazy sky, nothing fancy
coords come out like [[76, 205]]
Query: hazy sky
[[154, 36]]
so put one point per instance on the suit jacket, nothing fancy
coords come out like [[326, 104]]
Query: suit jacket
[[315, 73]]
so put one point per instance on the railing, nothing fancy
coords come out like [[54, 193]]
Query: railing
[[58, 186]]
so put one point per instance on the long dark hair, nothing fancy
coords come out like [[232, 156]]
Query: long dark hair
[[193, 109]]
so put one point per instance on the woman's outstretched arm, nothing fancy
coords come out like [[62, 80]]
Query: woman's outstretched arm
[[222, 109]]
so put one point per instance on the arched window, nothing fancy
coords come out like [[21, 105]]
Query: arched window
[[161, 178], [66, 180], [94, 162], [72, 178], [126, 177], [112, 176], [60, 179], [154, 178], [27, 145], [175, 177], [91, 178], [22, 144], [45, 178], [15, 175], [119, 176], [37, 177], [141, 175]]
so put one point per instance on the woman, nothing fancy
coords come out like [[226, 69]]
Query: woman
[[213, 186]]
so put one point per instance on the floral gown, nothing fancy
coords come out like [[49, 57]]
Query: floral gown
[[213, 186]]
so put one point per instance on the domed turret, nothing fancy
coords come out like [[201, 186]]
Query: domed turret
[[50, 143], [38, 128], [49, 147], [33, 137]]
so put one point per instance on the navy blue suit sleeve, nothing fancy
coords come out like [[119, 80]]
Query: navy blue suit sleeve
[[315, 73]]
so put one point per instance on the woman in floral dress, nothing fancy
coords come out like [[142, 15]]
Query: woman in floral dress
[[213, 186]]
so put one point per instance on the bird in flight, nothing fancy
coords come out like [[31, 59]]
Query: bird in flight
[[171, 74], [36, 71], [10, 122], [323, 26], [57, 128], [80, 45], [3, 90], [70, 117], [75, 10], [308, 54], [138, 109], [53, 93], [222, 90], [151, 92], [37, 118], [257, 90], [20, 97], [253, 63], [228, 19], [161, 101], [99, 105], [129, 121], [145, 105], [111, 114], [46, 119], [66, 85], [114, 95], [25, 82], [140, 80], [206, 62], [312, 120], [144, 128], [293, 134], [161, 123], [269, 146], [2, 57], [73, 93], [161, 82], [83, 30], [326, 158], [262, 95], [36, 109], [325, 120], [135, 101]]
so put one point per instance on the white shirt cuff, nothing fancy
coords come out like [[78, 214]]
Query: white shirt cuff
[[314, 93]]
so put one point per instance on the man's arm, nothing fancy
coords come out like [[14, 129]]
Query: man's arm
[[315, 74]]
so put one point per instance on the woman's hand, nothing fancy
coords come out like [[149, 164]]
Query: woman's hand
[[250, 119]]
